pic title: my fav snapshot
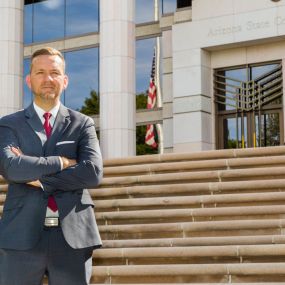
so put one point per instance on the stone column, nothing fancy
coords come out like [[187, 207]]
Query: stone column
[[11, 55], [117, 78], [192, 102], [167, 84]]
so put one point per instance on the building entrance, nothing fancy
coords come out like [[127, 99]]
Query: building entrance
[[249, 104]]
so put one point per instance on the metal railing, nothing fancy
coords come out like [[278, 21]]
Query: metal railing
[[248, 95]]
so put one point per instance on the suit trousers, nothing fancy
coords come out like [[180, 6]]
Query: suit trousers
[[52, 257]]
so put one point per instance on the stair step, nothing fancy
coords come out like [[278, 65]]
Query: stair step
[[195, 241], [189, 255], [167, 215], [191, 201], [188, 189], [216, 164], [203, 176], [236, 272], [192, 156], [193, 229]]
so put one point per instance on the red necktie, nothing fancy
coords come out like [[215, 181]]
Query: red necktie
[[47, 126]]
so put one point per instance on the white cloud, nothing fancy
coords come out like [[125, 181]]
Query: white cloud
[[53, 4]]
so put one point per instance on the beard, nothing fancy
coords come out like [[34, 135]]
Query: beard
[[48, 93]]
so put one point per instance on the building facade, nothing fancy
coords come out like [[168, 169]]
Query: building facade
[[221, 72]]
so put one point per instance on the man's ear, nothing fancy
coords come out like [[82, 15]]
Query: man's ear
[[65, 82], [28, 81]]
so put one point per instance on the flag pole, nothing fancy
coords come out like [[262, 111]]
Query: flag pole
[[157, 79]]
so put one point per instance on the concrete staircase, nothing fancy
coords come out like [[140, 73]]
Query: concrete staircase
[[214, 217]]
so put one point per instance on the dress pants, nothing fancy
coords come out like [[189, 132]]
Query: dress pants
[[52, 256]]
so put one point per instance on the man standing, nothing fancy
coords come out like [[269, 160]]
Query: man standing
[[50, 156]]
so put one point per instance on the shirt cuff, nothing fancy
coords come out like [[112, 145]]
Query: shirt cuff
[[42, 186], [61, 163]]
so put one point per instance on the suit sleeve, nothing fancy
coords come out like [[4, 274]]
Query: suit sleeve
[[22, 169], [88, 171]]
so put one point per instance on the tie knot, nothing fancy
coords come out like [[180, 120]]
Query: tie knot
[[47, 115]]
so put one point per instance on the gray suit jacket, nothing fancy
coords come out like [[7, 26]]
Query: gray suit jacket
[[24, 211]]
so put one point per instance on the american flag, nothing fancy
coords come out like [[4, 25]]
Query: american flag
[[151, 100]]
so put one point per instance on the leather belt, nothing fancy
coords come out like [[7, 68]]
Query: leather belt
[[51, 222]]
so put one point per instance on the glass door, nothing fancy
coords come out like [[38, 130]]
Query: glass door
[[268, 129], [249, 106], [234, 132]]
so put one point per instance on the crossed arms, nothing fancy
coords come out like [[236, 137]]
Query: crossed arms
[[86, 172]]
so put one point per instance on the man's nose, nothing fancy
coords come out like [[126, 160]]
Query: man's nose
[[48, 77]]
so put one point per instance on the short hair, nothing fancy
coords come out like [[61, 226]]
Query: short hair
[[47, 51]]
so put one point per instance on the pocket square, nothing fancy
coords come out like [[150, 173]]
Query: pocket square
[[65, 142]]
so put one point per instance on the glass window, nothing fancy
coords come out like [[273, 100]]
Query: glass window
[[260, 71], [141, 147], [267, 129], [81, 16], [268, 81], [82, 68], [235, 132], [230, 87], [27, 92], [168, 6], [48, 21], [28, 24], [144, 11], [144, 56]]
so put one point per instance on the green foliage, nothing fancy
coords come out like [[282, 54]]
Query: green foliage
[[142, 147], [231, 143], [141, 101], [91, 104], [92, 107]]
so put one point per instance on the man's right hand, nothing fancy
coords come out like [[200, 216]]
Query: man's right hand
[[67, 162]]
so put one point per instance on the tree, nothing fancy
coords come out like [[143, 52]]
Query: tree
[[92, 107], [141, 100], [142, 147], [91, 104]]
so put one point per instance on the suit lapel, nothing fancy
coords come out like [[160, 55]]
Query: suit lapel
[[35, 123], [62, 121]]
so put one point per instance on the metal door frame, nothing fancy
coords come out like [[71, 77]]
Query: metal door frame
[[252, 96]]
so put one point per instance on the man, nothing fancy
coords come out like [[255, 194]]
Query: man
[[49, 155]]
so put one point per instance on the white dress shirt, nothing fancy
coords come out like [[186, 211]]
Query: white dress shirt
[[53, 112]]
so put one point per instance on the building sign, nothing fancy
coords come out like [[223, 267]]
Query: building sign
[[250, 25]]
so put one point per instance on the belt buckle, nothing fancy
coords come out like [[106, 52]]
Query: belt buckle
[[51, 222]]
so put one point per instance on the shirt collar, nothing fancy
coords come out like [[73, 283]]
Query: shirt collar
[[41, 112]]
